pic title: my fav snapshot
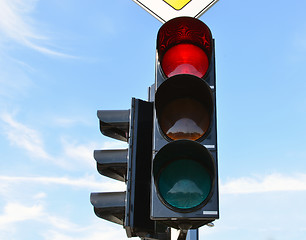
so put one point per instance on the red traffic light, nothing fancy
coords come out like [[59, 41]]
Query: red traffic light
[[184, 46]]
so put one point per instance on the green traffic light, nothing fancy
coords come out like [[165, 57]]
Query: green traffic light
[[184, 173], [184, 183]]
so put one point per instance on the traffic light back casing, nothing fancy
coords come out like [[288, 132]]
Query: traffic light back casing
[[112, 163], [137, 216], [132, 165]]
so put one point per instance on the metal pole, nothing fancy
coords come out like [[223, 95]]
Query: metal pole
[[193, 234]]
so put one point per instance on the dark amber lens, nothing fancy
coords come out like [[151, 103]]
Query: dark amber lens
[[185, 118], [184, 107]]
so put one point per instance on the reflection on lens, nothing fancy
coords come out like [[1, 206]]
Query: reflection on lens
[[185, 118], [185, 59], [184, 183]]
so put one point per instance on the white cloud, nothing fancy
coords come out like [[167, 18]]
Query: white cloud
[[97, 232], [68, 121], [40, 195], [85, 182], [30, 140], [52, 225], [36, 210], [269, 183], [80, 153], [24, 137], [114, 145], [14, 80], [63, 224], [15, 212], [16, 24], [235, 203]]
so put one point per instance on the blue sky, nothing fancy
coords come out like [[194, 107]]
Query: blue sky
[[62, 60]]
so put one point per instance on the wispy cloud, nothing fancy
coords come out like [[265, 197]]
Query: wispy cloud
[[269, 183], [87, 182], [35, 207], [57, 226], [68, 121], [17, 24], [15, 212], [94, 233], [24, 137], [81, 153], [31, 141], [52, 226], [114, 145]]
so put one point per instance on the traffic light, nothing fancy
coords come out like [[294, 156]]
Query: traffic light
[[112, 163], [133, 166], [184, 189]]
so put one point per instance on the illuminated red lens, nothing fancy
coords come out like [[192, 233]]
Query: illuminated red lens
[[185, 59], [184, 46]]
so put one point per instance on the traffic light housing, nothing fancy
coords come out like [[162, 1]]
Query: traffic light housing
[[170, 167], [184, 189], [112, 163], [133, 166], [137, 216]]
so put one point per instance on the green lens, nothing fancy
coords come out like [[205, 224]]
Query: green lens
[[184, 183]]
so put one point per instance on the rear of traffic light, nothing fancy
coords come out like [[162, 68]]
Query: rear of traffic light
[[133, 166], [112, 163], [184, 190]]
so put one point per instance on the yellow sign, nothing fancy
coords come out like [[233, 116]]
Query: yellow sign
[[177, 4], [164, 10]]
